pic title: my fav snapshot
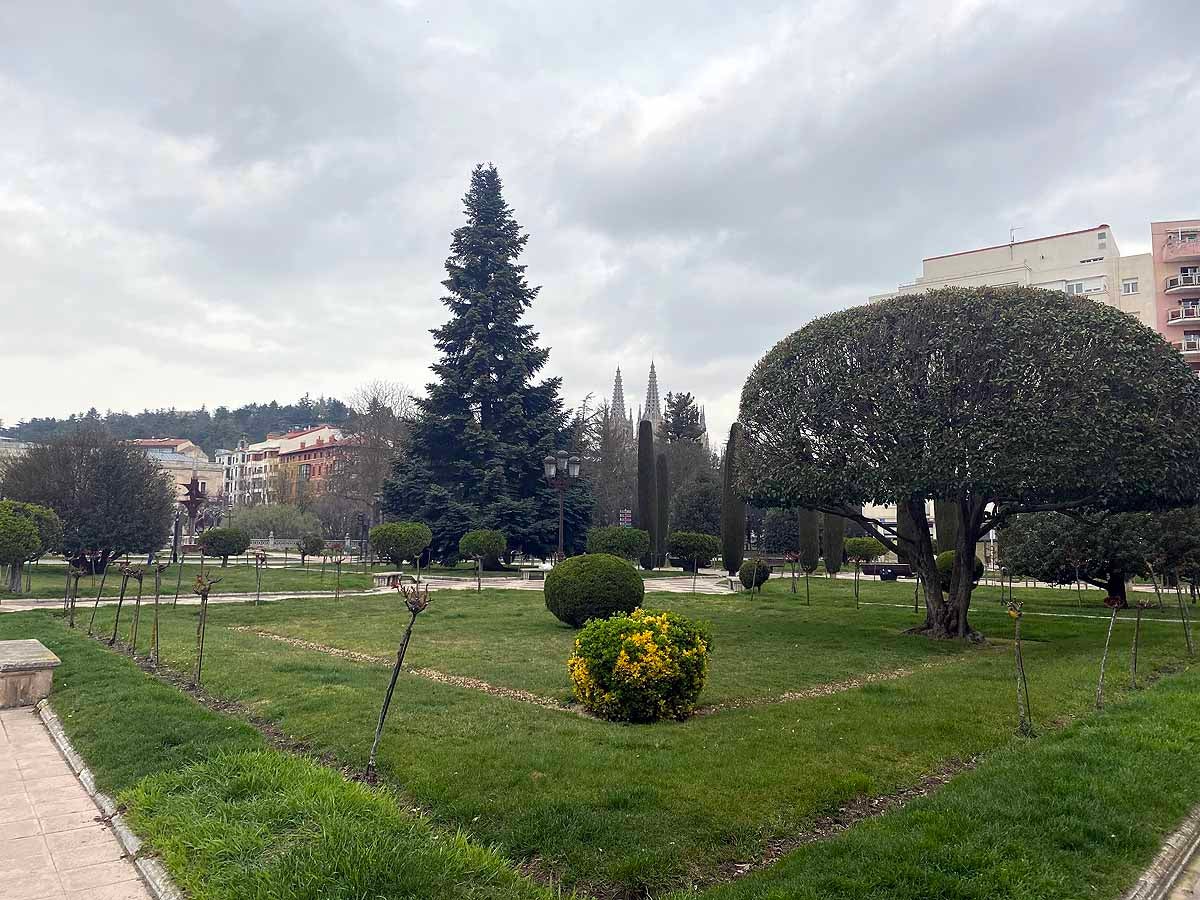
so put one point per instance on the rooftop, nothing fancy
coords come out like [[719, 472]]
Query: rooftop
[[1047, 237]]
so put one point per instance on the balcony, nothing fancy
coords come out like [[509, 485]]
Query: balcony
[[1185, 281], [1189, 345], [1183, 315], [1177, 250]]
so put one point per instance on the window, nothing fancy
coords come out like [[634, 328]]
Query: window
[[1092, 260], [1129, 286], [1102, 235], [1074, 287], [304, 471]]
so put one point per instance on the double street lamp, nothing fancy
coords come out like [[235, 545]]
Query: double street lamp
[[560, 471]]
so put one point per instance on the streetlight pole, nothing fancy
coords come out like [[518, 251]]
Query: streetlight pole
[[560, 470]]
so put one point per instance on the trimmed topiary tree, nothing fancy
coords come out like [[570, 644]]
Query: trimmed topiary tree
[[592, 586], [945, 567], [309, 545], [615, 540], [641, 667], [647, 490], [400, 541], [19, 541], [835, 543], [694, 550], [754, 574], [481, 544], [224, 542], [733, 507]]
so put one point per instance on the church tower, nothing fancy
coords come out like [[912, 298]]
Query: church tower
[[652, 411]]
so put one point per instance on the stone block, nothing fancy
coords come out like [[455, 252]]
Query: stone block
[[26, 671]]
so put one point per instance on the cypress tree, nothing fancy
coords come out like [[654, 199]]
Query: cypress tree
[[810, 545], [946, 517], [662, 478], [647, 491], [733, 507], [835, 540], [475, 453]]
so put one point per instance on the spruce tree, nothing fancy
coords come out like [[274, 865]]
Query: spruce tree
[[733, 507], [475, 454], [647, 490]]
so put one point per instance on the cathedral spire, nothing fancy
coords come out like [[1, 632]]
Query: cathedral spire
[[653, 408], [618, 400]]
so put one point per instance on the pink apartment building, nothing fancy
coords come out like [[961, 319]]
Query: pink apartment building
[[1175, 247]]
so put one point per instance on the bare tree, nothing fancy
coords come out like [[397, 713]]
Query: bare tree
[[382, 412]]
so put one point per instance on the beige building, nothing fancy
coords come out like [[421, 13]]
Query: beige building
[[1086, 262], [253, 473], [182, 459]]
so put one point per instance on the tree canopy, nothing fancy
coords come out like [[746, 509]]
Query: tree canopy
[[1003, 400], [110, 496]]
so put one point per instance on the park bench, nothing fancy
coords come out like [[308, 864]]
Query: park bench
[[26, 670], [392, 579], [533, 573]]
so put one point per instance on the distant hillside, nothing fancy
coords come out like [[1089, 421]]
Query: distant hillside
[[220, 428]]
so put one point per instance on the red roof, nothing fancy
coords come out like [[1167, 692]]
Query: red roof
[[1015, 243], [304, 431]]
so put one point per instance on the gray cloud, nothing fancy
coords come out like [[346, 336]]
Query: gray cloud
[[224, 202]]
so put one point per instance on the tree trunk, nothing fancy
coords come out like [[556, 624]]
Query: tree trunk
[[387, 700], [120, 600], [1104, 658], [1116, 588]]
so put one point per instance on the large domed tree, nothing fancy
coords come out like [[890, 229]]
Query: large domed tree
[[998, 400]]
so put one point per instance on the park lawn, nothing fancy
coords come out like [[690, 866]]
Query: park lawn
[[233, 818], [630, 809], [236, 578], [1075, 813]]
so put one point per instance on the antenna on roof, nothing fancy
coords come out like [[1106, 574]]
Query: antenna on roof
[[1012, 238]]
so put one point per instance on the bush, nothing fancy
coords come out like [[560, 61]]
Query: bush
[[641, 667], [401, 541], [286, 522], [945, 567], [310, 545], [754, 574], [627, 543], [592, 586], [224, 542], [697, 506], [482, 544], [690, 548], [864, 549]]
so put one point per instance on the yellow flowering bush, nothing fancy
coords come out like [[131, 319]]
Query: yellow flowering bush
[[641, 667]]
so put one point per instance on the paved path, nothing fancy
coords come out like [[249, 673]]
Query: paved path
[[1188, 885], [53, 844]]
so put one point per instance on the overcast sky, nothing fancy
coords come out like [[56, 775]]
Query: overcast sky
[[217, 203]]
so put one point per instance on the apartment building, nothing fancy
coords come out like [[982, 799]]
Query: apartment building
[[1175, 247], [306, 467], [260, 472], [1086, 262]]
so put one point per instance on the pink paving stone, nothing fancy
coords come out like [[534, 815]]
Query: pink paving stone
[[53, 842]]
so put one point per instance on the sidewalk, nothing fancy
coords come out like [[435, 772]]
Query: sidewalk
[[53, 844]]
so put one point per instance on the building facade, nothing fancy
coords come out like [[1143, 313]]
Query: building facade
[[181, 459], [311, 459], [1176, 285], [267, 471], [1086, 262]]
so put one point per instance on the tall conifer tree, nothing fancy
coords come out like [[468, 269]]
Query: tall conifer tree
[[475, 455]]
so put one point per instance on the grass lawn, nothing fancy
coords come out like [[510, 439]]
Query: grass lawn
[[234, 819], [236, 578], [618, 809]]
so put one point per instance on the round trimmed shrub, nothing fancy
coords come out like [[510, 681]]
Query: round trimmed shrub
[[627, 543], [754, 574], [692, 548], [592, 586], [945, 567], [641, 667], [224, 542]]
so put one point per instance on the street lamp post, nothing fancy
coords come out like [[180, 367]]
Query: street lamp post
[[560, 471]]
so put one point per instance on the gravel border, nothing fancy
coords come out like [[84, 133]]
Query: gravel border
[[1160, 878], [151, 870]]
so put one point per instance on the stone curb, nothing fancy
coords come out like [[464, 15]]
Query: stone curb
[[151, 870], [1158, 880]]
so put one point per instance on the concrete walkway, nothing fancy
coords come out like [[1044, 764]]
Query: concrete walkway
[[53, 844]]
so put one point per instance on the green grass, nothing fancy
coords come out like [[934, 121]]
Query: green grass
[[234, 819], [236, 578], [651, 808], [1077, 813]]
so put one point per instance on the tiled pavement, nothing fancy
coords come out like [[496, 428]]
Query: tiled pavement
[[53, 844]]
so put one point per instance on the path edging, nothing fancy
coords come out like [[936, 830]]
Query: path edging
[[1159, 879], [151, 870]]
